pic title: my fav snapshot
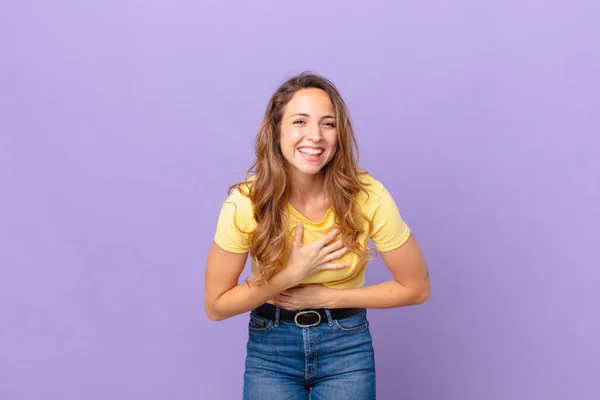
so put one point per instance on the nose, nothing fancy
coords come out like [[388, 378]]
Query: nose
[[315, 133]]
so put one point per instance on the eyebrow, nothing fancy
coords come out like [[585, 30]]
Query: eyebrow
[[306, 115]]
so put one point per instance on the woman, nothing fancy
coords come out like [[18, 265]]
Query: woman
[[305, 216]]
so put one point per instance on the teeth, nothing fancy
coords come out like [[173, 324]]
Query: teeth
[[311, 151]]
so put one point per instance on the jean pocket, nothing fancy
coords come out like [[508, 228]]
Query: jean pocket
[[259, 324], [352, 324]]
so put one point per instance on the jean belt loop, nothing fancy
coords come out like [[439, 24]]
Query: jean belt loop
[[329, 319], [277, 314]]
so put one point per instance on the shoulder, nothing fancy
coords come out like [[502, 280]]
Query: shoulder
[[373, 188], [374, 196], [240, 194], [239, 199]]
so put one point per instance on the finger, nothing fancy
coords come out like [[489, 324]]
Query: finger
[[332, 266], [329, 237], [333, 247], [337, 254], [299, 232]]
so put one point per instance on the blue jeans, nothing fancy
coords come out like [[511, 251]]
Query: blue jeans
[[333, 360]]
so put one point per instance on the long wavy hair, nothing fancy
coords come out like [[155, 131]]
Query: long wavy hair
[[267, 180]]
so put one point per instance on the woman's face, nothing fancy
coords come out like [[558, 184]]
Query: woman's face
[[308, 134]]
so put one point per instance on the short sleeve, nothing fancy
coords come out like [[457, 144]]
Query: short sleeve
[[388, 229], [233, 226]]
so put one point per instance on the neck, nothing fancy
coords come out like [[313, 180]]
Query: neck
[[307, 188]]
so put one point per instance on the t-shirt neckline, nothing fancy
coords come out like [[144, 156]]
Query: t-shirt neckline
[[306, 220]]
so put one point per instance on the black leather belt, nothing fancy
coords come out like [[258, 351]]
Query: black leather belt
[[304, 318]]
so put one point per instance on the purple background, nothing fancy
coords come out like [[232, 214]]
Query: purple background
[[123, 122]]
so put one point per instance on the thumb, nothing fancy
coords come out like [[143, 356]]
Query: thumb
[[299, 233]]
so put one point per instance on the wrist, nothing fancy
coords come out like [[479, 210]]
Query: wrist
[[334, 298], [284, 280]]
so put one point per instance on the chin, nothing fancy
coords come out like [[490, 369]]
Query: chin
[[308, 168], [311, 170]]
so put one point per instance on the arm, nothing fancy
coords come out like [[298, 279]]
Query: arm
[[401, 254], [223, 296], [411, 284]]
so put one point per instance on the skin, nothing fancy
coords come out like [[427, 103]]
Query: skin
[[309, 122]]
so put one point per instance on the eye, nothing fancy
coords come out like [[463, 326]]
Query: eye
[[299, 121], [330, 124]]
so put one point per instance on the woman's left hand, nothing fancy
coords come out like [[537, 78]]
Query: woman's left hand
[[307, 296]]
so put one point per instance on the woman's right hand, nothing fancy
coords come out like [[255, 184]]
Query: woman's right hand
[[307, 260]]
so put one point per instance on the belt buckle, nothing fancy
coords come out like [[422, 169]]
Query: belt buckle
[[304, 313]]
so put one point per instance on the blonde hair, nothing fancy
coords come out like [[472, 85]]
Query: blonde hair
[[268, 187]]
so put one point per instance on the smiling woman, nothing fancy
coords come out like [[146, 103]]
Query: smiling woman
[[305, 214], [309, 131]]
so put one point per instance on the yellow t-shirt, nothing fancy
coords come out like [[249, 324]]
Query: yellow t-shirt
[[386, 229]]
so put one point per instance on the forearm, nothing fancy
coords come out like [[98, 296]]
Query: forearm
[[246, 296], [389, 294]]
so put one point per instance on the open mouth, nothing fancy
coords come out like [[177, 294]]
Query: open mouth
[[311, 154]]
